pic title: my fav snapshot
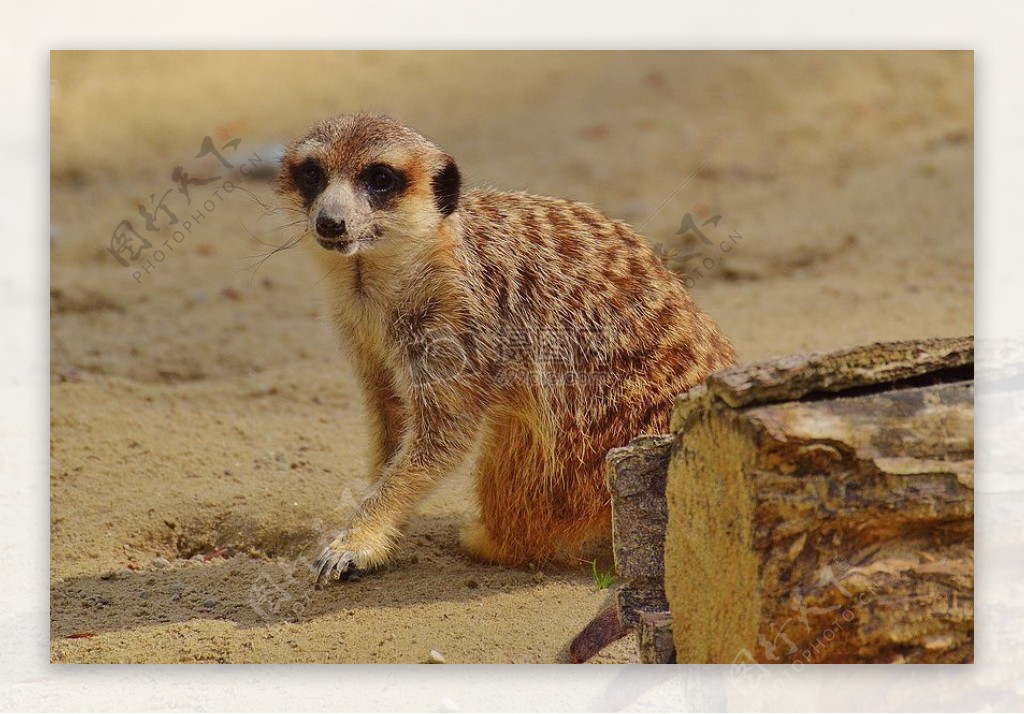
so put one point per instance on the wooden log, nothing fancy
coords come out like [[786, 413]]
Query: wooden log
[[636, 478], [820, 509], [870, 366], [654, 638]]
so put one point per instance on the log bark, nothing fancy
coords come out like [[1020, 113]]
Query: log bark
[[636, 479], [820, 509], [654, 638]]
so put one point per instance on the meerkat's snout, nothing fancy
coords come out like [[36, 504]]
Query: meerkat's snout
[[327, 217], [329, 226], [340, 218]]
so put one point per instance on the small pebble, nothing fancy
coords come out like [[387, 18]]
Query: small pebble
[[160, 563], [198, 558], [435, 657]]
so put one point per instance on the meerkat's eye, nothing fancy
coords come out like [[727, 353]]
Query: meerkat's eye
[[310, 177], [382, 180]]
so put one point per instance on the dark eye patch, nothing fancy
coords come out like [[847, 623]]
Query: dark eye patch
[[310, 178], [382, 184], [447, 183]]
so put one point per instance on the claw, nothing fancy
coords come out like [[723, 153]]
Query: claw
[[331, 565], [317, 568]]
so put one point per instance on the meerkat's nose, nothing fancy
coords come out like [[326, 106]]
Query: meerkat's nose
[[329, 228]]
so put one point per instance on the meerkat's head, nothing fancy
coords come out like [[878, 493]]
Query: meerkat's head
[[366, 180]]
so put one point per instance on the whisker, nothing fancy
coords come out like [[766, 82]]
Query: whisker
[[270, 208], [262, 204], [282, 209], [281, 227], [287, 245], [274, 250]]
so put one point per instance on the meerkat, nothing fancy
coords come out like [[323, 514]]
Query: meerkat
[[534, 332]]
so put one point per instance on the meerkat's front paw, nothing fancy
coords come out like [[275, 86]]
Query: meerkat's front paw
[[333, 564], [345, 557]]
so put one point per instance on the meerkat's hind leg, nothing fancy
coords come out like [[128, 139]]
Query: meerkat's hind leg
[[478, 542], [516, 525]]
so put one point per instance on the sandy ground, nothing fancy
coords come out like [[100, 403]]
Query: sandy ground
[[206, 434]]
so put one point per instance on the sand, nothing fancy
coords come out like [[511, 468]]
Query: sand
[[206, 434]]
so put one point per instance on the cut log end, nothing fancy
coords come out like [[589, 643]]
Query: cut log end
[[836, 527]]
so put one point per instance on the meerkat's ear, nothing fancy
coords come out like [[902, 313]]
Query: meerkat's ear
[[446, 184]]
